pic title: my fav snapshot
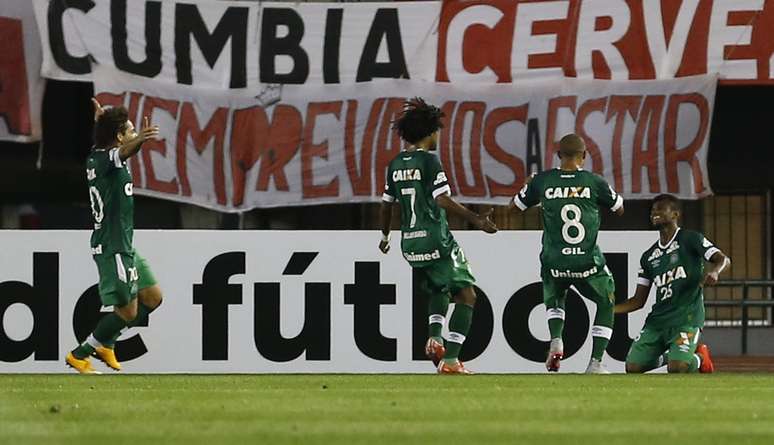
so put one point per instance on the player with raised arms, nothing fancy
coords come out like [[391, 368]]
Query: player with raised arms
[[417, 182], [570, 198], [675, 266], [124, 276]]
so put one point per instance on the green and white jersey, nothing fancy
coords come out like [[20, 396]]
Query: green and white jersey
[[570, 202], [112, 205], [415, 179], [676, 270]]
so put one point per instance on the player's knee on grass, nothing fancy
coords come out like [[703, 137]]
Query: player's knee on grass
[[634, 368], [678, 367], [151, 296], [127, 312], [466, 296]]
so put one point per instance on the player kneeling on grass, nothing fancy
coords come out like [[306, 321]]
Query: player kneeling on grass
[[416, 180], [124, 276], [675, 265]]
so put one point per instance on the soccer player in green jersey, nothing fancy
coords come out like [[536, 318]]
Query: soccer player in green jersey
[[124, 276], [675, 265], [570, 198], [417, 182]]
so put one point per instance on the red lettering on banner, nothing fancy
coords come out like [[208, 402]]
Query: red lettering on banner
[[385, 152], [252, 137], [695, 53], [284, 142], [14, 90], [483, 44], [622, 39], [477, 109], [650, 118], [158, 145], [619, 106], [248, 130], [200, 138], [311, 150], [672, 154], [444, 144], [494, 120], [552, 144], [360, 175], [591, 106], [287, 123]]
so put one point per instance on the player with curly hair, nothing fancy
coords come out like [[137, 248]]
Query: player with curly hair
[[417, 182]]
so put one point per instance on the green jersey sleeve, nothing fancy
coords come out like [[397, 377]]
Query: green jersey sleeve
[[389, 187], [702, 246], [114, 160], [436, 180], [607, 197], [645, 275], [529, 195]]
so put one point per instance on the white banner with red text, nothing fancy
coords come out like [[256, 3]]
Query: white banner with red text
[[301, 145], [242, 44], [21, 86], [296, 302], [508, 41]]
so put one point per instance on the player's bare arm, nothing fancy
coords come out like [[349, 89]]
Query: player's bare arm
[[481, 222], [635, 303], [718, 261], [385, 217], [134, 141]]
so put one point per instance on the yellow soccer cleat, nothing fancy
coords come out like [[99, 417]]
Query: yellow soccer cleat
[[82, 366], [108, 357]]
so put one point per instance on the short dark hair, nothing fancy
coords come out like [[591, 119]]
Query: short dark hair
[[571, 145], [672, 200], [418, 120], [110, 123]]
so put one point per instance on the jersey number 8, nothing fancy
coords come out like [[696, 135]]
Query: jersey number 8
[[572, 222]]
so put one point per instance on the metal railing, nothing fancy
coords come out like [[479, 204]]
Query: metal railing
[[745, 302]]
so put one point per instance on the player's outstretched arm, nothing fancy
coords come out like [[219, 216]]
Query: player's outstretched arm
[[634, 303], [718, 261], [130, 148], [481, 222], [98, 110], [385, 215]]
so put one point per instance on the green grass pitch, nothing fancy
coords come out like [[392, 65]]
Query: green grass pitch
[[395, 409]]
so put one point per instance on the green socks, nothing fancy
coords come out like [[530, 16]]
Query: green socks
[[110, 325], [109, 329], [437, 308], [555, 322], [555, 327], [142, 318], [459, 325], [601, 337]]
